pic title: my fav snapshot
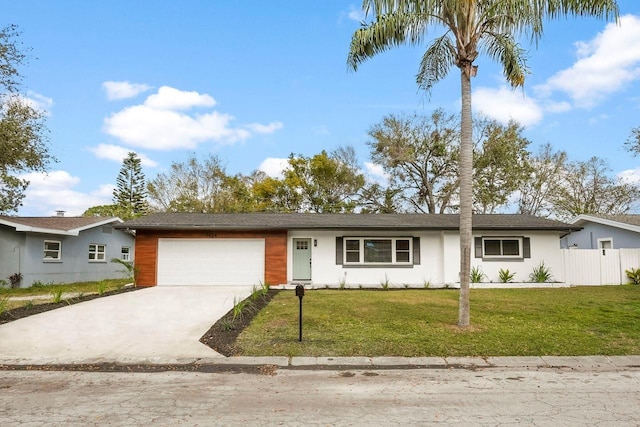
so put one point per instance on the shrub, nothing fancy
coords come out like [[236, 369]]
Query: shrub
[[57, 295], [506, 276], [476, 275], [541, 274], [633, 274], [259, 291], [240, 307], [130, 269], [102, 287], [3, 284], [385, 283], [15, 280]]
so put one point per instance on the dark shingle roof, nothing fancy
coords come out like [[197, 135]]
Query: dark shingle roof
[[293, 221], [56, 223]]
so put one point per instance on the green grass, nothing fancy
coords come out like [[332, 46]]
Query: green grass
[[505, 322], [52, 291]]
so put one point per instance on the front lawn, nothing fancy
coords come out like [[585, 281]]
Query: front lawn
[[45, 294], [505, 322]]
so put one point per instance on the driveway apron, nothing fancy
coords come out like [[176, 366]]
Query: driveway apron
[[159, 325]]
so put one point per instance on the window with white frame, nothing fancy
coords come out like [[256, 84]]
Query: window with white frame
[[377, 250], [125, 253], [502, 247], [97, 252], [52, 250]]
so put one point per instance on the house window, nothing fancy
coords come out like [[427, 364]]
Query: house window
[[97, 252], [125, 253], [604, 244], [493, 247], [52, 250], [377, 250]]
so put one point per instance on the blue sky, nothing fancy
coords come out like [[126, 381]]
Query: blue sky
[[254, 81]]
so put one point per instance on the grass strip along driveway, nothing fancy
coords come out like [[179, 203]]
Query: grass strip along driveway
[[505, 322], [28, 298]]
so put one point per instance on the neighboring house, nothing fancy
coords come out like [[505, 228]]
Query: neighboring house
[[329, 249], [604, 232], [62, 249]]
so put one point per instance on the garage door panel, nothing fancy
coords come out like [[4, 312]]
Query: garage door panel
[[210, 261]]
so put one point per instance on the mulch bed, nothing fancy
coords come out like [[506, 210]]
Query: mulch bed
[[25, 311], [222, 335]]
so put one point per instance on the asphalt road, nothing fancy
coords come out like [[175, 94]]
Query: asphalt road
[[484, 397]]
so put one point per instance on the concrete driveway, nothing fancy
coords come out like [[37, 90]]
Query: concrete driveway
[[159, 324]]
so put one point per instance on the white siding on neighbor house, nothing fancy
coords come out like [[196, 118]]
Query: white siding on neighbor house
[[439, 259]]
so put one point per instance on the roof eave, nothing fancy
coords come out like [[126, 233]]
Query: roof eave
[[581, 219], [181, 227]]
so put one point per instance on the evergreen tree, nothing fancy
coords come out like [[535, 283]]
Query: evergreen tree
[[130, 193]]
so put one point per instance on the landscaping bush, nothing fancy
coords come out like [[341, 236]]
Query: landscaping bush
[[633, 274], [15, 280], [506, 276], [541, 274], [476, 275]]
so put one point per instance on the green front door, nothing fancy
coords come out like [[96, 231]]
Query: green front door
[[301, 259]]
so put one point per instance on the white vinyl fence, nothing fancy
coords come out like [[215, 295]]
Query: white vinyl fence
[[599, 266]]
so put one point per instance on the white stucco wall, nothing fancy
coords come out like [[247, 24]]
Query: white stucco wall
[[439, 259], [545, 247]]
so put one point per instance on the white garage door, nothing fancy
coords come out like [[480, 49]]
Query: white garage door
[[210, 261]]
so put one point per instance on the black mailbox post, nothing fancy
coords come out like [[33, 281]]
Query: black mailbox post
[[300, 294]]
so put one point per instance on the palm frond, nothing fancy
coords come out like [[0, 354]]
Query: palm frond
[[436, 62], [504, 49], [386, 32]]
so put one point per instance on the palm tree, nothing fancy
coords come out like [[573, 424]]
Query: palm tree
[[470, 27]]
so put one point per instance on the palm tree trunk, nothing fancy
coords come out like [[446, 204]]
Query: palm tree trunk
[[466, 203]]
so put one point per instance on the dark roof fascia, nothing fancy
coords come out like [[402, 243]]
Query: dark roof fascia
[[178, 227]]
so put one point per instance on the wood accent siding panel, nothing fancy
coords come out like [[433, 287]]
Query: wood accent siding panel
[[275, 259], [146, 257], [275, 251]]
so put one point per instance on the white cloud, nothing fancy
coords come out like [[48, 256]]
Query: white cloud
[[376, 171], [39, 102], [274, 167], [35, 100], [50, 192], [605, 65], [356, 14], [631, 176], [557, 107], [265, 129], [159, 123], [117, 154], [169, 98], [504, 104], [123, 90], [598, 118]]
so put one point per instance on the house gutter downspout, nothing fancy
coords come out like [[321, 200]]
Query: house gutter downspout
[[19, 263]]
